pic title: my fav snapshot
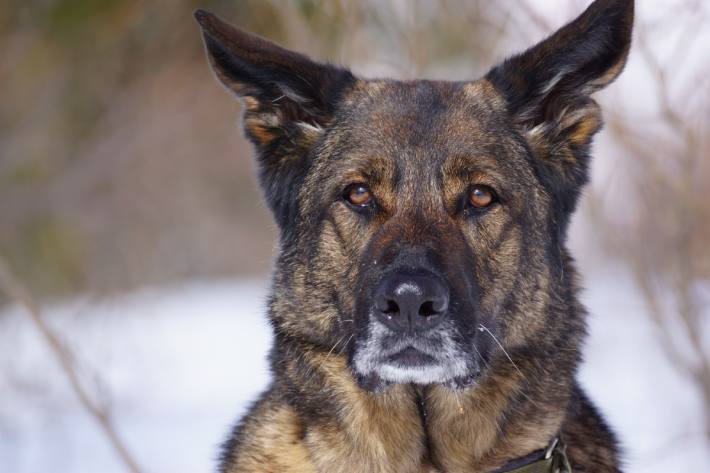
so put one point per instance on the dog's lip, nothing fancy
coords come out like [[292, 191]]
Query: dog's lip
[[410, 356]]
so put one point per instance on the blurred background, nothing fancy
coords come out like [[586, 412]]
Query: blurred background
[[135, 248]]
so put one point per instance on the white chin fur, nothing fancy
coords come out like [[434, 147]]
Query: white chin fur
[[450, 363], [418, 375]]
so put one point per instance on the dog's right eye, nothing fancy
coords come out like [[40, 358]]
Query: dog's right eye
[[359, 195]]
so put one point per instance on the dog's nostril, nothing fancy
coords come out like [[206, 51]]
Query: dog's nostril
[[427, 309], [386, 305], [391, 307]]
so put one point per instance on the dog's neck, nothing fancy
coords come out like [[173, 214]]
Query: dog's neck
[[487, 426], [511, 412], [517, 407]]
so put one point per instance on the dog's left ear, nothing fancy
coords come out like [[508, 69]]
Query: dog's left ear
[[548, 89]]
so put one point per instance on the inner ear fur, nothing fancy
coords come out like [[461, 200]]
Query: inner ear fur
[[281, 88]]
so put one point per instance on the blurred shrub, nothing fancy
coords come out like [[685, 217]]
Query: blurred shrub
[[120, 161]]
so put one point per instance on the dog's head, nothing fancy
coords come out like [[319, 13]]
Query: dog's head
[[422, 223]]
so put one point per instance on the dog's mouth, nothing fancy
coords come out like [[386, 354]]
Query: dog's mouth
[[385, 358], [411, 357]]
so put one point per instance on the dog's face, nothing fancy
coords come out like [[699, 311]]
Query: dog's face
[[426, 200], [422, 221]]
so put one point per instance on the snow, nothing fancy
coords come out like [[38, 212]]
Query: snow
[[181, 363]]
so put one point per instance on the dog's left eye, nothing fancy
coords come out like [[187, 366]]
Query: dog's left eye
[[481, 197]]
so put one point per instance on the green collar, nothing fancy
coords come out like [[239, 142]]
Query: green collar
[[551, 460]]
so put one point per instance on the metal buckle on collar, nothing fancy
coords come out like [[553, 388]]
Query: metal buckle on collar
[[551, 448], [553, 460], [560, 462]]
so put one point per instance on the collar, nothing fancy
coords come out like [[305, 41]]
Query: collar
[[553, 459]]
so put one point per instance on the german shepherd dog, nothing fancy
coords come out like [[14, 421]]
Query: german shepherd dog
[[424, 305]]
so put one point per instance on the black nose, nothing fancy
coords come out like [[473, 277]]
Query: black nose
[[411, 301]]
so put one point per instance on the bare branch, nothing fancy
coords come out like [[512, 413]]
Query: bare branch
[[538, 20], [669, 261], [21, 296]]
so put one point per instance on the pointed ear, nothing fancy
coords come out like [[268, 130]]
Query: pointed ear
[[548, 87], [289, 100]]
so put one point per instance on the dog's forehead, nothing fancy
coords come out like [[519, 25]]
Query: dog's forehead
[[432, 120]]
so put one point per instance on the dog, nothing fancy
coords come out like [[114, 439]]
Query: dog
[[424, 305]]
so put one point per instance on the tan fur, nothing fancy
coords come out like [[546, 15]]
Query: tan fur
[[274, 443], [383, 433]]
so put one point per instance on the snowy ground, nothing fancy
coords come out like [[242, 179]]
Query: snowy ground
[[181, 363]]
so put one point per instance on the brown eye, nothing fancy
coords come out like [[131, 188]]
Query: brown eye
[[359, 195], [481, 196]]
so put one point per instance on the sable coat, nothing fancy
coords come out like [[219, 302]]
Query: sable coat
[[464, 191]]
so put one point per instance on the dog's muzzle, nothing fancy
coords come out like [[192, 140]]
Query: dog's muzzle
[[411, 334]]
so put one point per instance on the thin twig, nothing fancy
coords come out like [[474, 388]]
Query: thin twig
[[535, 17], [21, 296], [671, 165]]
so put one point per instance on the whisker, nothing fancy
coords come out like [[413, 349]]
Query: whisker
[[483, 328], [324, 360], [333, 348], [479, 355], [525, 381], [340, 352]]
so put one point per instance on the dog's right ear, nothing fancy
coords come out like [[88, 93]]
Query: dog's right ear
[[289, 101]]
